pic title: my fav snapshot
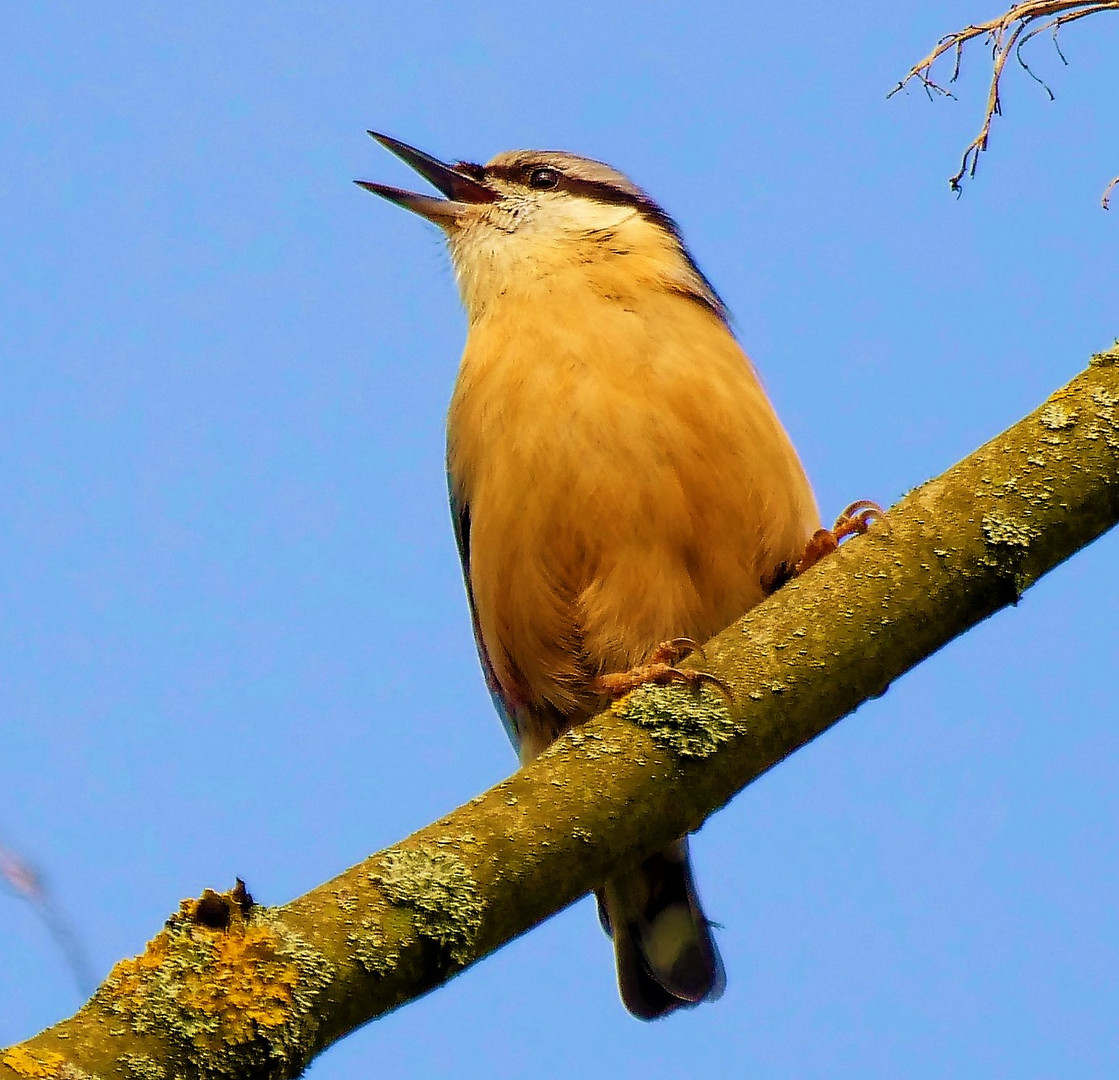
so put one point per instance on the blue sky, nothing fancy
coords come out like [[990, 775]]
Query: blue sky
[[233, 638]]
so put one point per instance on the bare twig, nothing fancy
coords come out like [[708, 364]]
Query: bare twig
[[1006, 34], [25, 882]]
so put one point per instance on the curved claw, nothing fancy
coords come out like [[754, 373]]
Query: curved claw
[[858, 517], [690, 677], [673, 651], [715, 681], [864, 504], [696, 679], [618, 683]]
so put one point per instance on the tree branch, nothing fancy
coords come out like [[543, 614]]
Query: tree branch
[[230, 989], [1006, 35]]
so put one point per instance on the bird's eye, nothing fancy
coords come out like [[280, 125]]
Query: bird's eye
[[544, 178]]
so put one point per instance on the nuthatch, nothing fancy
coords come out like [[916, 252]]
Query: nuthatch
[[620, 484]]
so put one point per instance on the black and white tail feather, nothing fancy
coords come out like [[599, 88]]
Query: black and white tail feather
[[666, 956]]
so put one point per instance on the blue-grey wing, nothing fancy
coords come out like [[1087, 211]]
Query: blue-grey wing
[[460, 519]]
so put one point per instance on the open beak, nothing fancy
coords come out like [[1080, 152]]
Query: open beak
[[462, 190]]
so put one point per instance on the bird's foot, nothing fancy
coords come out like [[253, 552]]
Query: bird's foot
[[855, 520], [660, 670]]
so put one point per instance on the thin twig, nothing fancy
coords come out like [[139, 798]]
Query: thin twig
[[1006, 34], [27, 883]]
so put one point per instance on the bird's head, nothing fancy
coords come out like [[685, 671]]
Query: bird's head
[[531, 214]]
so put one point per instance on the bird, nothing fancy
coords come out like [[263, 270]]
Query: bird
[[620, 484]]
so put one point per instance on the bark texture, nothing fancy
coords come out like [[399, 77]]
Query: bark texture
[[230, 989]]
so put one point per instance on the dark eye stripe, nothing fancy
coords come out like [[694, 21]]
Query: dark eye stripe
[[604, 192], [599, 190], [514, 174]]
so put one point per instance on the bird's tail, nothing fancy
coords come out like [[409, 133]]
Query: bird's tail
[[666, 955]]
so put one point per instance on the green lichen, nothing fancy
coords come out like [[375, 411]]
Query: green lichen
[[142, 1067], [1105, 424], [1006, 531], [442, 894], [1056, 417], [238, 1000], [367, 946], [695, 725]]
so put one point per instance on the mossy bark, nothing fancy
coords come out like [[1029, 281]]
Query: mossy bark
[[242, 991]]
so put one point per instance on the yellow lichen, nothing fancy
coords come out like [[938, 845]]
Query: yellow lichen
[[1063, 392], [129, 975], [237, 978], [247, 987], [243, 983], [33, 1063]]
